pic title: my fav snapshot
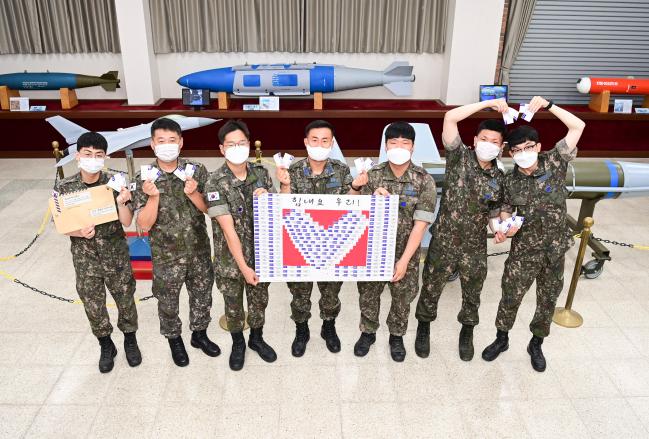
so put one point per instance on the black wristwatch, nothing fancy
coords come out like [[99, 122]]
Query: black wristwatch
[[550, 104], [356, 190]]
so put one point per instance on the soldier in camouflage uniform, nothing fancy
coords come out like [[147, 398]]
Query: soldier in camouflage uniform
[[172, 211], [417, 198], [472, 195], [535, 189], [100, 257], [317, 174], [229, 193]]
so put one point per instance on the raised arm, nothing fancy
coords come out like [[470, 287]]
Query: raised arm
[[573, 123], [452, 117]]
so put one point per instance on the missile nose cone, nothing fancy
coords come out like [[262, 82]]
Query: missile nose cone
[[583, 85], [184, 80]]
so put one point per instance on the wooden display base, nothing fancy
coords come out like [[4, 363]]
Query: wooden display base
[[600, 102], [224, 100], [68, 98], [5, 94], [317, 100], [645, 102]]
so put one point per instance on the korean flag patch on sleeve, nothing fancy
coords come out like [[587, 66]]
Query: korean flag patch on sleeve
[[213, 196]]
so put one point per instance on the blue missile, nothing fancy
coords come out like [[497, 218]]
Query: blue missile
[[299, 79], [54, 81]]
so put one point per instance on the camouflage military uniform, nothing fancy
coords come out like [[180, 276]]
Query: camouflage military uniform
[[227, 195], [471, 197], [417, 197], [539, 247], [335, 179], [102, 260], [180, 250]]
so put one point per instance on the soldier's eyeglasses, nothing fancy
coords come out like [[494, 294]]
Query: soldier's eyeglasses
[[523, 148], [242, 143]]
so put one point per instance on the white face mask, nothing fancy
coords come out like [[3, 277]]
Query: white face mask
[[486, 151], [237, 154], [167, 152], [398, 156], [91, 165], [526, 159], [318, 153]]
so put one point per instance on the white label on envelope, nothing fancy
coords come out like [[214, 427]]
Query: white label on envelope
[[76, 199], [101, 211]]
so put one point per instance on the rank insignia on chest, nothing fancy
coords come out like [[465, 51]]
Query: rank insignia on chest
[[548, 188], [488, 196], [213, 196]]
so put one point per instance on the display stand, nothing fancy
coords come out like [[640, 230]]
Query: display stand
[[5, 94], [68, 98]]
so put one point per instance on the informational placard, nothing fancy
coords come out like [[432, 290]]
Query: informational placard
[[325, 237]]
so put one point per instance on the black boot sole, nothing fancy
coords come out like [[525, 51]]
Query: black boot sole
[[135, 363], [300, 353], [362, 354], [111, 365], [237, 366], [422, 353], [467, 356], [538, 369], [333, 349], [209, 354], [497, 355], [267, 359]]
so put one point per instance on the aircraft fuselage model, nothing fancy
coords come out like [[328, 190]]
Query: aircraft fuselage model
[[125, 139]]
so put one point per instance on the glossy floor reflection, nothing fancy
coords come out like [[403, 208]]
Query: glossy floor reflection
[[596, 384]]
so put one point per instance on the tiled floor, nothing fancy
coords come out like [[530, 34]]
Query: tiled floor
[[596, 384]]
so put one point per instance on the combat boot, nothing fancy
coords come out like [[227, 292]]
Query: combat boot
[[256, 343], [328, 332], [131, 349], [178, 352], [362, 346], [108, 352], [238, 354], [302, 336], [200, 341], [501, 344], [466, 343], [536, 354], [422, 340], [397, 349]]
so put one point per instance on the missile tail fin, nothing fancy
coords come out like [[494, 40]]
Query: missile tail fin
[[399, 88], [398, 68], [110, 76], [70, 130]]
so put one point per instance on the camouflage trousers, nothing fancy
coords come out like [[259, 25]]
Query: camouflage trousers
[[402, 292], [91, 288], [301, 304], [256, 297], [438, 267], [196, 273], [517, 280]]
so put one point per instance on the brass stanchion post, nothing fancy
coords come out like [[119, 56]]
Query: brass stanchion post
[[58, 155], [258, 151], [566, 316]]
